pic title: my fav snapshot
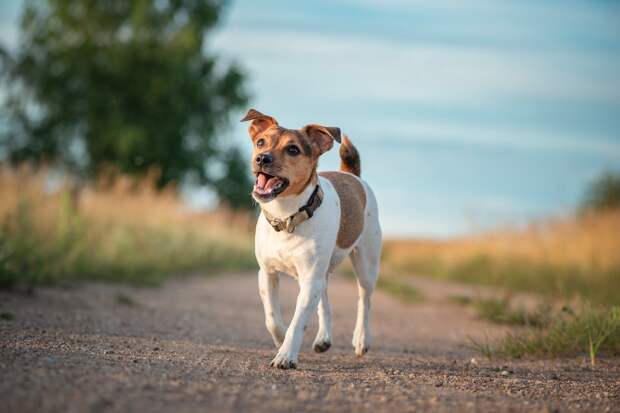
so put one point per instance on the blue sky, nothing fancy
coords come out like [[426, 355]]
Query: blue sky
[[467, 114]]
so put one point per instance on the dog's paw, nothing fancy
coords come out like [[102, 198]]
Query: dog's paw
[[322, 346], [361, 343], [361, 350], [283, 362]]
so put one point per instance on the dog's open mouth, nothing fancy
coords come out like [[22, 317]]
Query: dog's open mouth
[[268, 187]]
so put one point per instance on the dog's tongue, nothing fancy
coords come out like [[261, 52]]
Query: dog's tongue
[[266, 184], [271, 183], [261, 181]]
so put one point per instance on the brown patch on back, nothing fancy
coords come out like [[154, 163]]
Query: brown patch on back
[[352, 205]]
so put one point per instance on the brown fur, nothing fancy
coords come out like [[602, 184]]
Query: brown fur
[[313, 141], [349, 158], [352, 206], [323, 137], [300, 170]]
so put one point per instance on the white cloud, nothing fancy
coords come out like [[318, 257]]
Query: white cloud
[[356, 68], [511, 137]]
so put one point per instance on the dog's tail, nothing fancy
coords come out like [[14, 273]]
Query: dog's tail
[[349, 157]]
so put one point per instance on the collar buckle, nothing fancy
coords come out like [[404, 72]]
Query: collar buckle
[[304, 213]]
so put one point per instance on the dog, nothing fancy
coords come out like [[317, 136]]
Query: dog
[[309, 223]]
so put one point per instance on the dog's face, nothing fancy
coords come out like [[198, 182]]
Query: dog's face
[[284, 160]]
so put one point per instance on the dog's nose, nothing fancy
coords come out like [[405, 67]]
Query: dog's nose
[[263, 159]]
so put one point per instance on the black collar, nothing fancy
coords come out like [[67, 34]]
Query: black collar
[[305, 212]]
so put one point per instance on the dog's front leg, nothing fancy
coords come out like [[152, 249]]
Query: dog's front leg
[[268, 289], [310, 291]]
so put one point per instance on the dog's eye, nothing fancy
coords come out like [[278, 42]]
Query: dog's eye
[[292, 150], [260, 143]]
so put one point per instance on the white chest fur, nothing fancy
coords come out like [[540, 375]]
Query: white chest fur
[[313, 241]]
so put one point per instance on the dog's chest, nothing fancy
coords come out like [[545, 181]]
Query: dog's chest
[[284, 253], [312, 242]]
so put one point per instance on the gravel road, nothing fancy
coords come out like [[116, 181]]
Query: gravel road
[[199, 344]]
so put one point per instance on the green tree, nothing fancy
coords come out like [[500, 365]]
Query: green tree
[[128, 84], [233, 186], [603, 193]]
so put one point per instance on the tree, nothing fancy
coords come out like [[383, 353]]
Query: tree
[[232, 185], [120, 83], [603, 193]]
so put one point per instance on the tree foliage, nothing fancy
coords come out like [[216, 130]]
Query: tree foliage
[[603, 193], [127, 84]]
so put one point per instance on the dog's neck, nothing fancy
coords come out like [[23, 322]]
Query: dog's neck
[[284, 206]]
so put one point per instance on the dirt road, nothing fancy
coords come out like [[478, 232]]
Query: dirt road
[[199, 344]]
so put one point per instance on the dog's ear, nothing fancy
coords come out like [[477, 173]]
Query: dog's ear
[[322, 137], [260, 122]]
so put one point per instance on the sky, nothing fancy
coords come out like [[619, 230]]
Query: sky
[[468, 115]]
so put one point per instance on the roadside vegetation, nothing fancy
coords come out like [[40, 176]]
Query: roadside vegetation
[[547, 330], [503, 311], [395, 285], [590, 330], [572, 263], [126, 231], [134, 88], [565, 258], [400, 289]]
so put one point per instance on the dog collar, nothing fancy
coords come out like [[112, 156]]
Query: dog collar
[[305, 212]]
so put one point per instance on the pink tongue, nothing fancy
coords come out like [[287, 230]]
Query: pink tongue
[[261, 181], [271, 183]]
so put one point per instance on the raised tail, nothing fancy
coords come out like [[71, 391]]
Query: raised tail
[[349, 157]]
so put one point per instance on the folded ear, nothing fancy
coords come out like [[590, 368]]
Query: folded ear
[[260, 122], [322, 136]]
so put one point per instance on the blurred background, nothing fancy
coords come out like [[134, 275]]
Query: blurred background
[[490, 132], [468, 115]]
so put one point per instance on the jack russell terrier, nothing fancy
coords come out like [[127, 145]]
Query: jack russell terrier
[[308, 224]]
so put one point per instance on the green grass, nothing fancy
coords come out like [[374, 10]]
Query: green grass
[[549, 332], [590, 330], [126, 300], [502, 311], [399, 289], [461, 299], [392, 285], [523, 275], [7, 316], [76, 249]]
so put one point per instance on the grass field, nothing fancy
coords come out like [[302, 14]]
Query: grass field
[[555, 333], [566, 258], [123, 232], [574, 262]]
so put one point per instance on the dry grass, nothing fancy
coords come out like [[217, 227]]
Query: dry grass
[[576, 259], [124, 231], [116, 200], [565, 257]]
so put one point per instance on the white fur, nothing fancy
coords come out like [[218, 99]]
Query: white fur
[[310, 254]]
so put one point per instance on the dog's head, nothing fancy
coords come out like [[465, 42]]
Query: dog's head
[[284, 160]]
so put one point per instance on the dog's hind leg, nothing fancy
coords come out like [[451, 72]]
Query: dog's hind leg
[[323, 340], [365, 258], [268, 289]]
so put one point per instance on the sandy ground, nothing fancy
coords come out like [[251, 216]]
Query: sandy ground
[[199, 344]]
